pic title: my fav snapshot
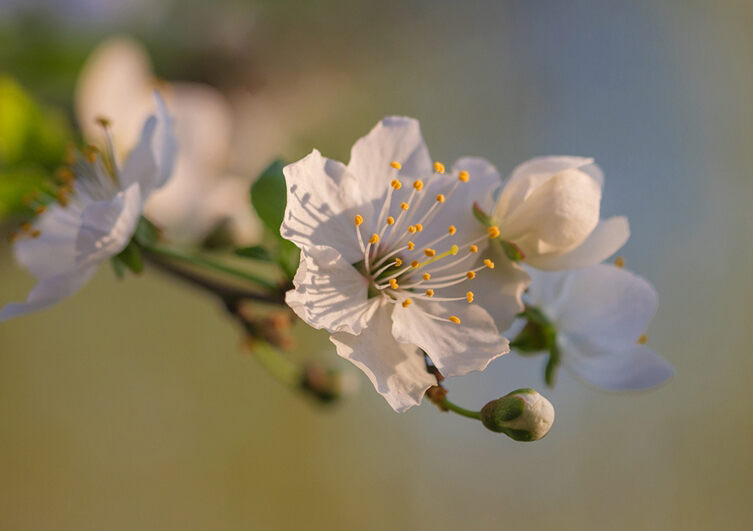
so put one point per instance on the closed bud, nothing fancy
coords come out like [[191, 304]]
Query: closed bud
[[523, 415]]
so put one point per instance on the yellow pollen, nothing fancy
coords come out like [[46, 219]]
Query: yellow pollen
[[412, 229], [429, 292], [404, 205], [454, 318], [463, 176], [440, 198], [396, 185], [454, 250], [103, 121], [470, 275], [35, 233], [488, 263], [390, 220], [469, 297], [374, 239], [430, 252], [64, 174], [426, 276], [418, 185], [619, 261], [40, 209], [439, 167], [393, 283], [398, 262], [406, 303], [395, 164], [643, 339], [90, 152], [473, 248], [359, 220], [26, 226], [419, 227], [452, 230], [411, 246], [414, 264], [493, 232]]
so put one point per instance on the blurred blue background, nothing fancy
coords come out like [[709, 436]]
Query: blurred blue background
[[131, 406]]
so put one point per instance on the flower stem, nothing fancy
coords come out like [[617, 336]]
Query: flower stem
[[460, 410], [208, 263]]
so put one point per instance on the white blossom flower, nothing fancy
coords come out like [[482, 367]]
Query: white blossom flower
[[387, 266], [95, 217], [117, 82], [600, 315], [549, 210]]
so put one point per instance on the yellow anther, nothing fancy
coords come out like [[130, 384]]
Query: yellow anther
[[390, 220], [463, 176], [26, 226], [395, 164], [488, 263], [398, 262], [454, 318], [493, 232], [452, 230], [473, 249], [429, 292], [619, 261], [470, 275], [396, 185], [393, 283], [103, 121], [454, 250], [64, 174], [412, 229], [36, 233], [469, 297], [426, 276], [407, 303], [419, 227], [374, 239], [643, 339], [439, 167], [418, 185], [40, 209], [430, 252], [414, 264], [90, 152], [440, 198], [411, 246], [404, 205], [359, 220]]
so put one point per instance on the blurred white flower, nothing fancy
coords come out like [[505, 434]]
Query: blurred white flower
[[95, 218], [600, 315], [386, 260], [116, 82]]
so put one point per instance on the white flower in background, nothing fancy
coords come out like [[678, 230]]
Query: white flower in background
[[98, 210], [600, 315], [549, 209], [387, 266], [117, 82]]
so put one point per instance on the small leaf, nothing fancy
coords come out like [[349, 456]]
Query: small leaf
[[480, 215], [512, 251], [255, 252], [288, 256], [146, 232], [131, 258], [118, 266], [269, 196]]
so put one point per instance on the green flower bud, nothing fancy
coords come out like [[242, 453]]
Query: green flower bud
[[523, 415]]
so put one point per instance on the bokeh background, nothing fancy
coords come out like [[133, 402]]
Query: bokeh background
[[131, 406]]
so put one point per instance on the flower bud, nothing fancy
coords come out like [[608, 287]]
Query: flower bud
[[523, 415]]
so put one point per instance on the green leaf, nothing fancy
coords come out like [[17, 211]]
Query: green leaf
[[255, 252], [288, 256], [130, 257], [146, 232], [118, 266], [269, 196]]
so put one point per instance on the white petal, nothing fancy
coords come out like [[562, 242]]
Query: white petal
[[607, 305], [59, 229], [499, 291], [49, 291], [456, 349], [556, 216], [329, 293], [397, 370], [606, 239], [635, 368], [318, 211], [395, 138], [107, 226]]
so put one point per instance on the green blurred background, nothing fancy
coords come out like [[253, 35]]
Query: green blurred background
[[130, 406]]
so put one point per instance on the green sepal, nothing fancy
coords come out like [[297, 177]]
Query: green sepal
[[552, 364], [146, 232], [269, 197], [130, 257], [118, 267], [512, 251], [481, 216], [255, 252], [538, 334]]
